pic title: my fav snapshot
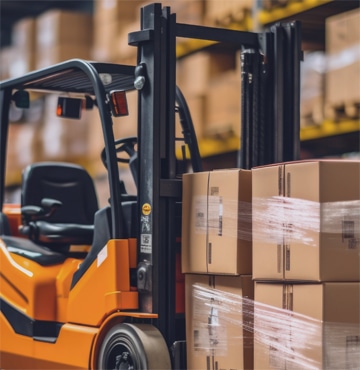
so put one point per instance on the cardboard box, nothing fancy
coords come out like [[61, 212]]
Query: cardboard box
[[197, 106], [342, 31], [126, 54], [195, 71], [225, 12], [55, 27], [312, 88], [24, 34], [115, 10], [189, 12], [21, 139], [219, 319], [23, 62], [306, 221], [307, 326], [343, 65], [111, 40], [60, 53], [104, 47], [223, 105], [216, 223], [6, 59], [342, 78]]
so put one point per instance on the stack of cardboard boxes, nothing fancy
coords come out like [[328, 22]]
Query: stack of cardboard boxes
[[114, 20], [24, 47], [306, 265], [312, 88], [342, 80], [211, 83], [111, 18], [62, 35], [216, 258], [228, 12], [292, 230], [52, 37]]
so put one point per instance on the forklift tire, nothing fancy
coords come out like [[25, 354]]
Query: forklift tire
[[134, 347]]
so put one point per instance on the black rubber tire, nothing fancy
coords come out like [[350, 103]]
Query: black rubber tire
[[133, 347]]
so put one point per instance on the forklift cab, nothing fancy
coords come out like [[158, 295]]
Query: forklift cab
[[59, 210]]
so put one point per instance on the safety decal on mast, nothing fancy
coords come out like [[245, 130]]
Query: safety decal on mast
[[145, 236]]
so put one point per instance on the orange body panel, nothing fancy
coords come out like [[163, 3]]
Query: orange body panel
[[63, 283], [16, 350], [43, 293], [104, 288], [13, 213], [28, 286], [133, 253], [71, 350]]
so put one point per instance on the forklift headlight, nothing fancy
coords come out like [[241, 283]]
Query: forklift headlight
[[21, 99], [69, 107]]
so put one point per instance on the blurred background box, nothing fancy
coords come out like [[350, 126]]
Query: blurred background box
[[343, 66], [56, 26], [59, 53]]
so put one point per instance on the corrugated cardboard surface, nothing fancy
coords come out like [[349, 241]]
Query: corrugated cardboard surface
[[303, 326], [48, 56], [219, 322], [267, 253], [342, 31], [212, 205], [193, 245], [223, 104], [343, 49], [63, 27], [328, 249], [24, 34]]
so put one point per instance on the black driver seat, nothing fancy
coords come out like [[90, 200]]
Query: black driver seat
[[73, 221]]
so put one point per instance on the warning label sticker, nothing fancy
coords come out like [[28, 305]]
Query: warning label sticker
[[146, 243]]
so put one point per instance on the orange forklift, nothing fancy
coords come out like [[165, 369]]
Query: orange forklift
[[120, 304]]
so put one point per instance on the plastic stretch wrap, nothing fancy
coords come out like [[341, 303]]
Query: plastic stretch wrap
[[213, 312], [276, 218], [287, 340], [343, 58], [342, 91], [295, 341], [224, 217], [312, 72]]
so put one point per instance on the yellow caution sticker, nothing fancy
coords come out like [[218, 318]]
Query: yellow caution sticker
[[146, 209]]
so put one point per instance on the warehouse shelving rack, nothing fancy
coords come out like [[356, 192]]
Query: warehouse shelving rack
[[317, 139]]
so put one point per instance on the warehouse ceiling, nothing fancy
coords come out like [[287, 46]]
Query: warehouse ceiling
[[13, 10]]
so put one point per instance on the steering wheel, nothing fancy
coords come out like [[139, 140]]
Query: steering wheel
[[127, 145]]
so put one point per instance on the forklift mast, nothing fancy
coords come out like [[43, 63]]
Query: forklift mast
[[270, 133]]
